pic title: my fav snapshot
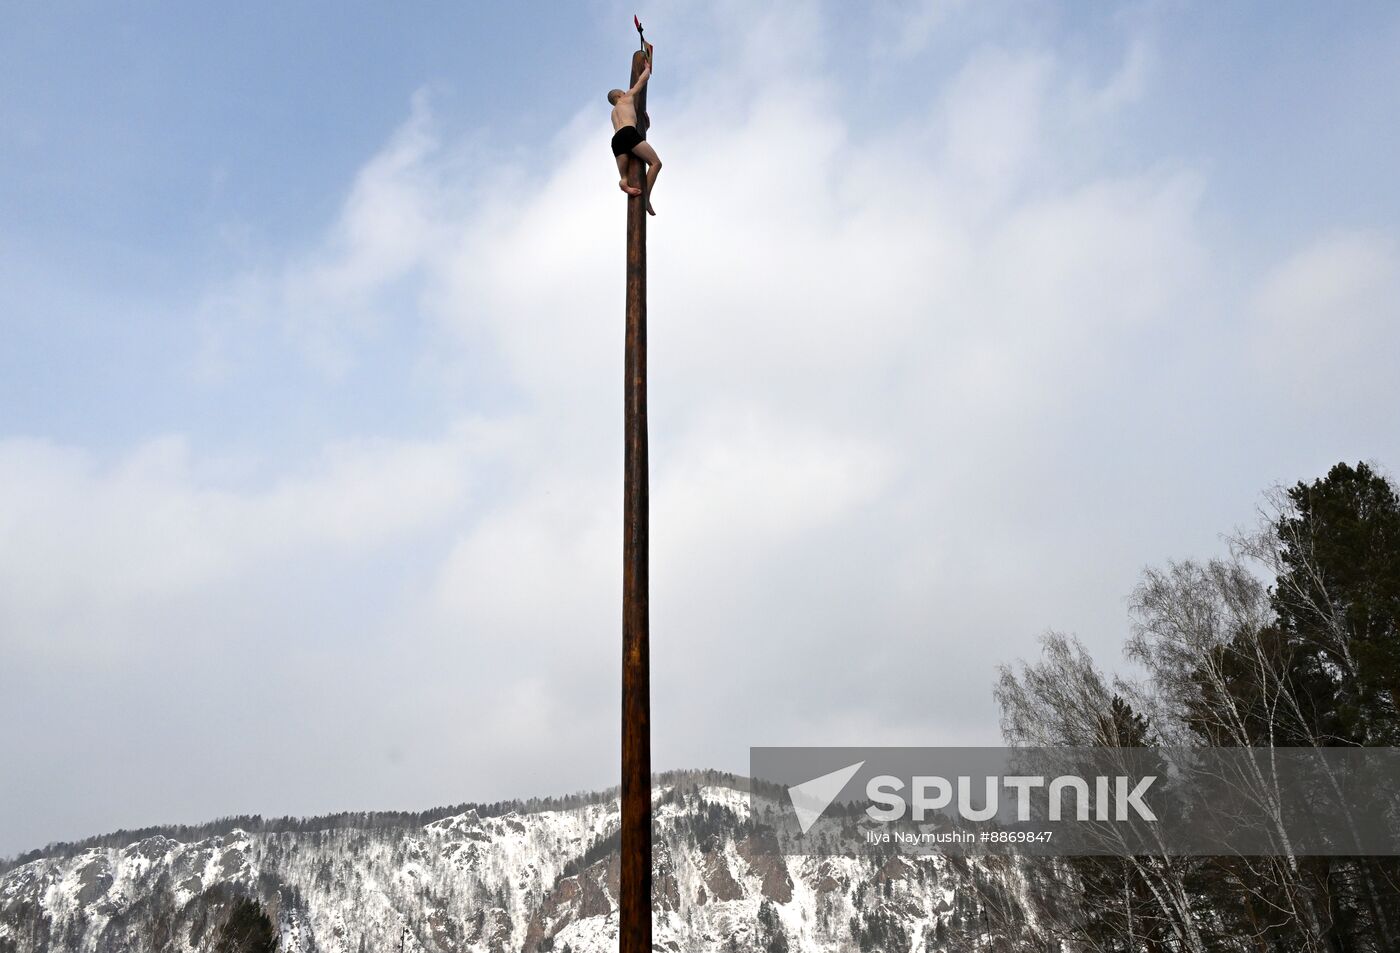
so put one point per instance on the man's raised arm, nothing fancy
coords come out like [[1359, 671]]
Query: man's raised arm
[[641, 81]]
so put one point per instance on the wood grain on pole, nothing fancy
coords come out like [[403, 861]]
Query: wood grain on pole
[[634, 919]]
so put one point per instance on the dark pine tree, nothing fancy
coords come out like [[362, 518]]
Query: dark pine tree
[[1338, 597], [248, 929]]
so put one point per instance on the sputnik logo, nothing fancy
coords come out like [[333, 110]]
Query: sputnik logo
[[810, 799], [1112, 798]]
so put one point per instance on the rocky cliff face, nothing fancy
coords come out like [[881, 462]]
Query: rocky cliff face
[[533, 881]]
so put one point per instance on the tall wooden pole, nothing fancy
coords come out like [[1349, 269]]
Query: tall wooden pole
[[634, 920]]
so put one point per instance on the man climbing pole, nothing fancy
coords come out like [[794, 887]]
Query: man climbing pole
[[628, 143], [634, 828]]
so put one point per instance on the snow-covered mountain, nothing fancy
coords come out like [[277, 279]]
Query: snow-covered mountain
[[533, 880]]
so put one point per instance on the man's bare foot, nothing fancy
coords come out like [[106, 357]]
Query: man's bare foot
[[650, 210], [629, 189]]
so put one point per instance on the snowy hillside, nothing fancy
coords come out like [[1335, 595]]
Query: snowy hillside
[[528, 881]]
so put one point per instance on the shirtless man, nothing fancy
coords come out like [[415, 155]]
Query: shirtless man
[[627, 141]]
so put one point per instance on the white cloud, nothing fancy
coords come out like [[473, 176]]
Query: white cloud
[[849, 329], [93, 550], [1326, 322]]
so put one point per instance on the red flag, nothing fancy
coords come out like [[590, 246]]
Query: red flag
[[637, 22]]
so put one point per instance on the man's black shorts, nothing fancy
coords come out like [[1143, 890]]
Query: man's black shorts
[[625, 140]]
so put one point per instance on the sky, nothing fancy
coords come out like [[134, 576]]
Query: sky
[[961, 314]]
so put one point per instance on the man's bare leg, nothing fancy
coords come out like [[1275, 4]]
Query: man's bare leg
[[624, 163], [644, 152]]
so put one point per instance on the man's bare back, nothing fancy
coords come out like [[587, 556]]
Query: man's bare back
[[627, 142], [625, 112]]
